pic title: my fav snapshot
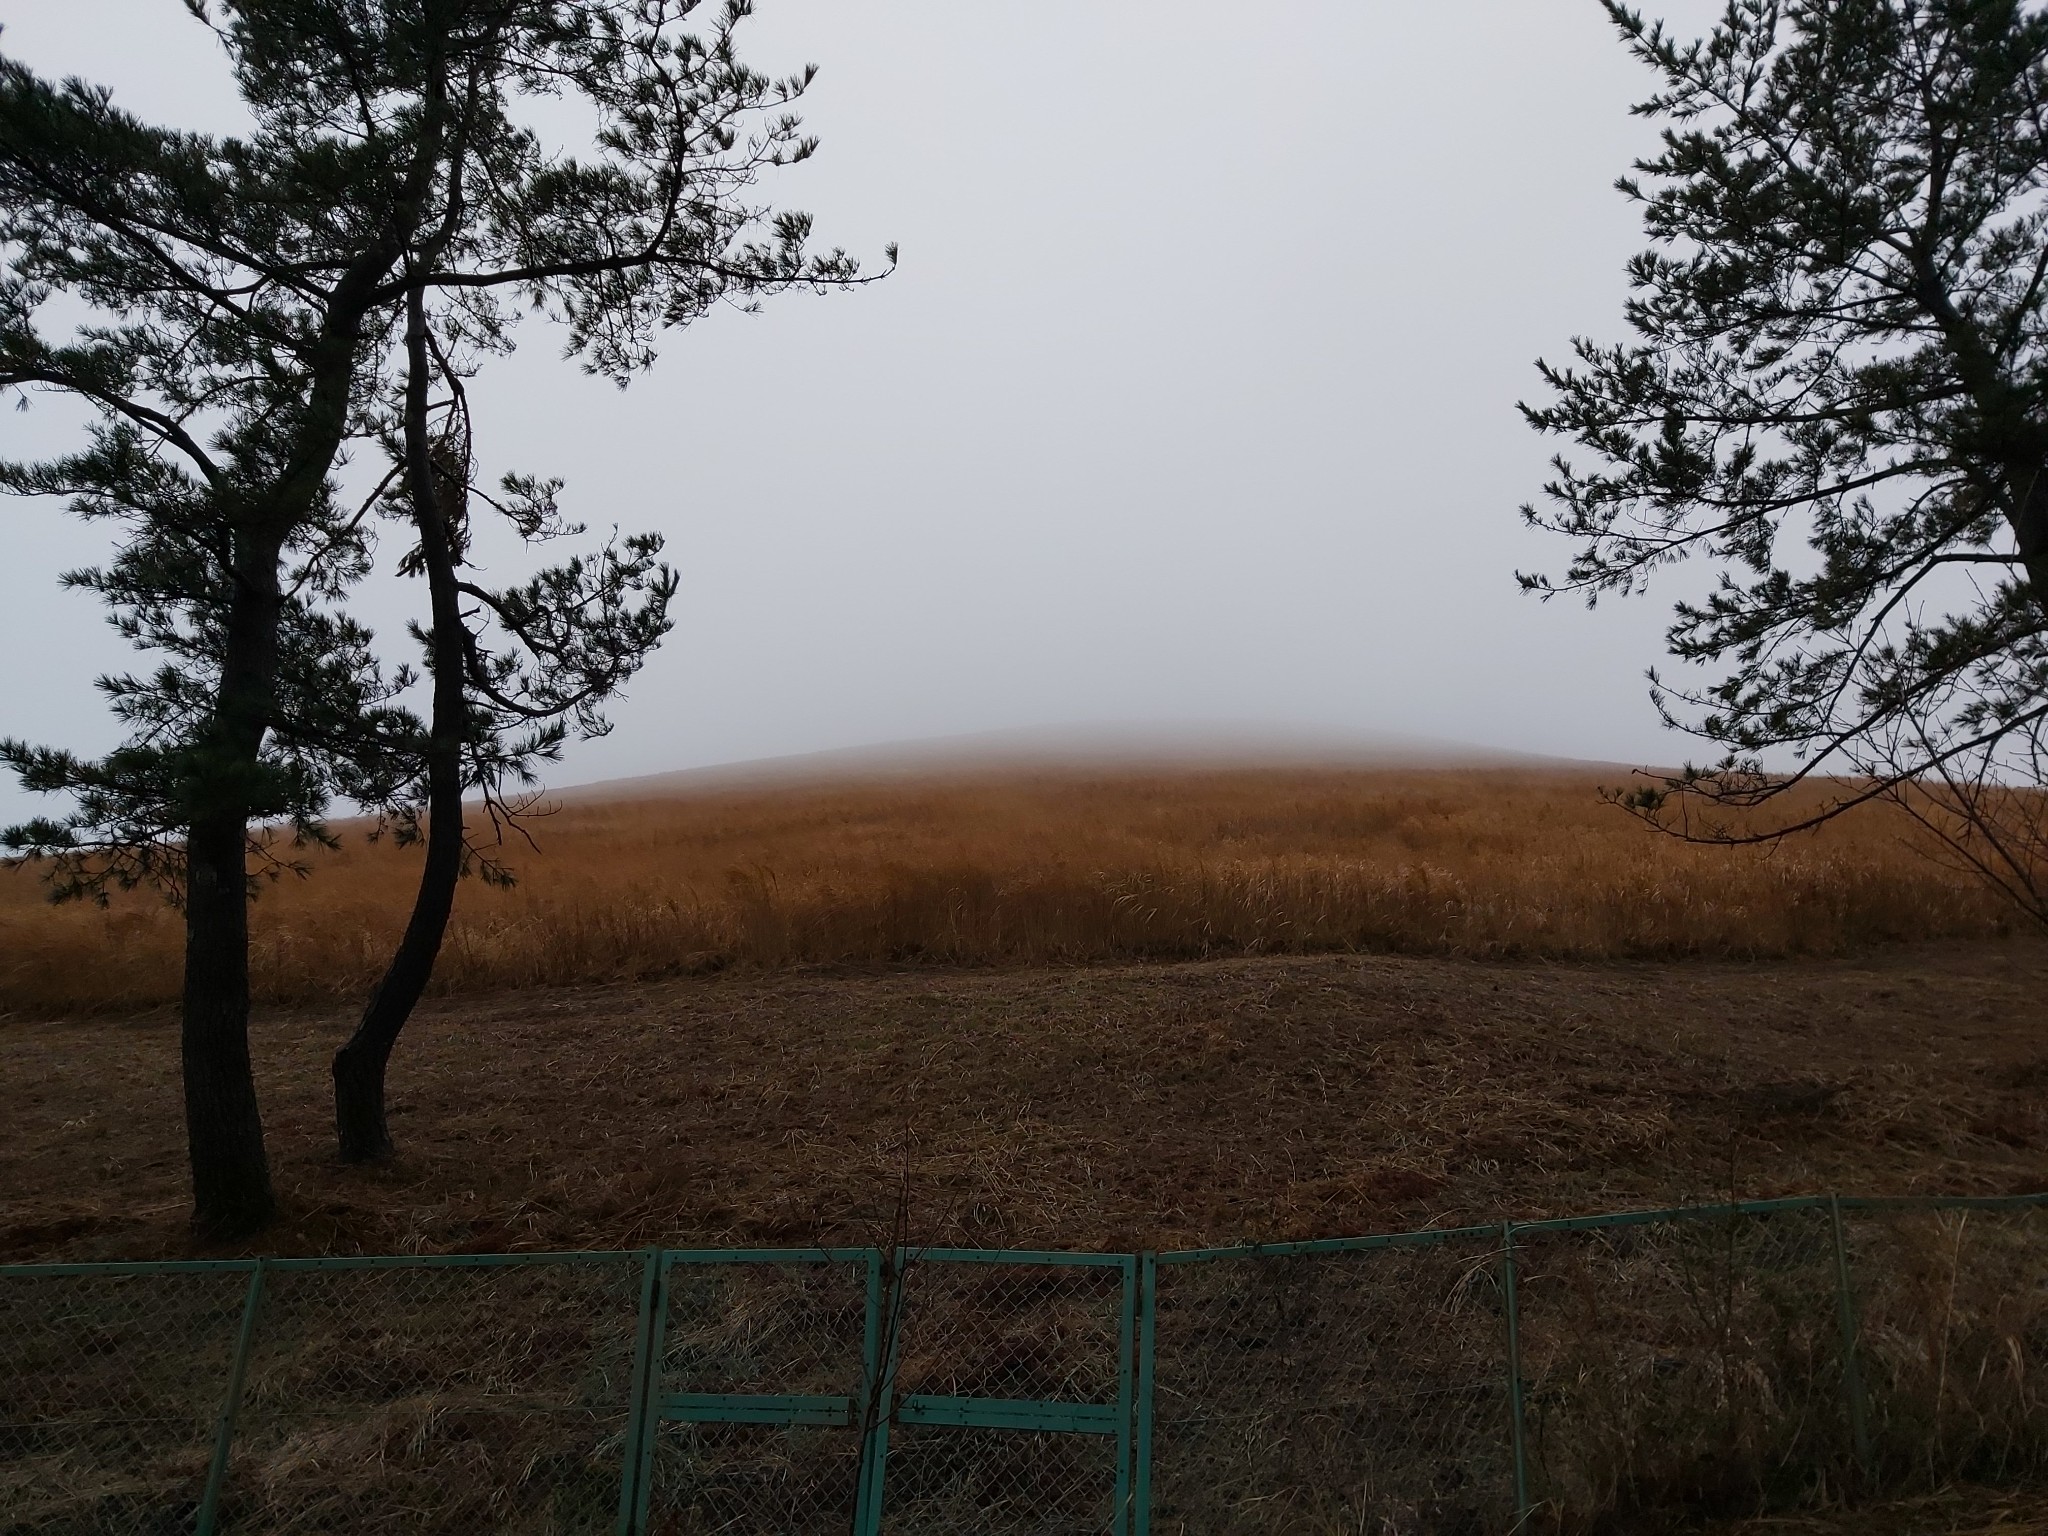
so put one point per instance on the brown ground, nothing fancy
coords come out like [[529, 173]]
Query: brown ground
[[1117, 1107], [1959, 1512]]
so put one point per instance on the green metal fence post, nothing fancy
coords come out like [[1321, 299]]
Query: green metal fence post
[[1852, 1370], [640, 1420], [224, 1428], [1126, 1392], [1141, 1454], [657, 1345], [1517, 1437], [872, 1419], [886, 1299]]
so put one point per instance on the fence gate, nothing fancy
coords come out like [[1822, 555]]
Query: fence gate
[[1010, 1397], [757, 1368], [933, 1390]]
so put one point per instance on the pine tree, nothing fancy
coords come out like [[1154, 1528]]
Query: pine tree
[[250, 302], [1837, 398]]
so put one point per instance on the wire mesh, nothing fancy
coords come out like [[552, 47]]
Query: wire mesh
[[1953, 1341], [759, 1329], [1049, 1332], [947, 1480], [1360, 1390], [1685, 1359], [1015, 1332], [437, 1398], [110, 1388], [1693, 1361]]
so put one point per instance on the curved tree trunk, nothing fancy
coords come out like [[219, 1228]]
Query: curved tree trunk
[[362, 1132]]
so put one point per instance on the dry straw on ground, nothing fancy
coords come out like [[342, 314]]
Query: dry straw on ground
[[1042, 868]]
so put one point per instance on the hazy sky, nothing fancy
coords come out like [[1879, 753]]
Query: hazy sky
[[1192, 399]]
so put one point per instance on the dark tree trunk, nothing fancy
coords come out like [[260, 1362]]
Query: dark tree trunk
[[2028, 485], [361, 1129], [231, 1193]]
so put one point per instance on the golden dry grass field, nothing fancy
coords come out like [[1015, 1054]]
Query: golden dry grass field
[[1038, 868]]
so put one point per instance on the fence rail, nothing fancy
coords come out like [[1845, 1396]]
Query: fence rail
[[1541, 1375]]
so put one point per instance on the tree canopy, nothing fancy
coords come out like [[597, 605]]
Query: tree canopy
[[1836, 397]]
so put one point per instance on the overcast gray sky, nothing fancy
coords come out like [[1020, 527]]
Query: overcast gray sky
[[1193, 398]]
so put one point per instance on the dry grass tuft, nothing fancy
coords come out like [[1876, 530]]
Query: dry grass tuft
[[1960, 1511], [1043, 868]]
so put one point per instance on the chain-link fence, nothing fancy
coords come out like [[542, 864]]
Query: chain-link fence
[[1541, 1376], [436, 1397], [1952, 1339], [1695, 1361], [1332, 1387], [754, 1414], [1011, 1399], [112, 1384]]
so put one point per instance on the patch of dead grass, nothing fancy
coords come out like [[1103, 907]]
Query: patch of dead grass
[[1964, 1511], [1157, 1106]]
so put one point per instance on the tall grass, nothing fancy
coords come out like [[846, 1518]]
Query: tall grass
[[1040, 868]]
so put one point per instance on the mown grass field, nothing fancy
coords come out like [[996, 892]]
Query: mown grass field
[[1042, 868], [1109, 1107]]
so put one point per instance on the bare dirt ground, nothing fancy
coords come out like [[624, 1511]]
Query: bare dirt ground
[[1156, 1106]]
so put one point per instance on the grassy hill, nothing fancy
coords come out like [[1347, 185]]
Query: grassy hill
[[1037, 865]]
